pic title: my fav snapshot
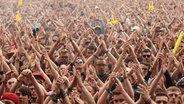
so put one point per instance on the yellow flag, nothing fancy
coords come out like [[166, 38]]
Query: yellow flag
[[18, 18], [113, 21], [151, 7], [19, 3], [178, 42], [109, 22]]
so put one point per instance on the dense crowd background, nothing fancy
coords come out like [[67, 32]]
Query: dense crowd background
[[92, 52]]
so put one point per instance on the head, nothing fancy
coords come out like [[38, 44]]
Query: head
[[97, 30], [64, 57], [146, 55], [40, 77], [90, 50], [79, 64], [55, 38], [145, 67], [118, 98], [24, 94], [101, 66], [129, 62], [10, 82], [62, 69], [9, 98], [33, 91], [173, 94], [161, 98]]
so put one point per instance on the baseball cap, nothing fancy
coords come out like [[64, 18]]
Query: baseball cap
[[39, 75], [10, 96]]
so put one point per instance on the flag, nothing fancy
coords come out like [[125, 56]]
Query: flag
[[178, 42], [19, 3], [151, 6]]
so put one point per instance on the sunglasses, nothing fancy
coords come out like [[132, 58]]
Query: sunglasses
[[79, 61], [10, 83], [146, 56]]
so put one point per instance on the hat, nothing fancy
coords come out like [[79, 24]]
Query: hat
[[180, 82], [39, 75], [10, 96]]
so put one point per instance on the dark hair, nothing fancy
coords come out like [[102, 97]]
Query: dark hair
[[116, 92], [25, 91], [127, 60], [160, 94], [146, 50], [92, 47]]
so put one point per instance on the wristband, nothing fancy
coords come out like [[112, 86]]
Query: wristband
[[108, 91], [62, 94], [55, 98]]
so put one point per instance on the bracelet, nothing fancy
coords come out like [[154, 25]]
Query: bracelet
[[55, 98], [62, 94], [108, 91], [148, 101]]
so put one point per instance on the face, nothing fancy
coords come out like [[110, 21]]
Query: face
[[130, 64], [161, 100], [145, 69], [89, 52], [101, 67], [41, 81], [119, 99], [10, 82], [62, 69], [79, 64], [173, 97], [22, 98], [33, 92], [64, 58], [146, 56], [47, 70]]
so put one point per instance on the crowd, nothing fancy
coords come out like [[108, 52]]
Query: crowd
[[92, 52]]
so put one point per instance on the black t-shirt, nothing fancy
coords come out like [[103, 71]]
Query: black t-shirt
[[103, 77]]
